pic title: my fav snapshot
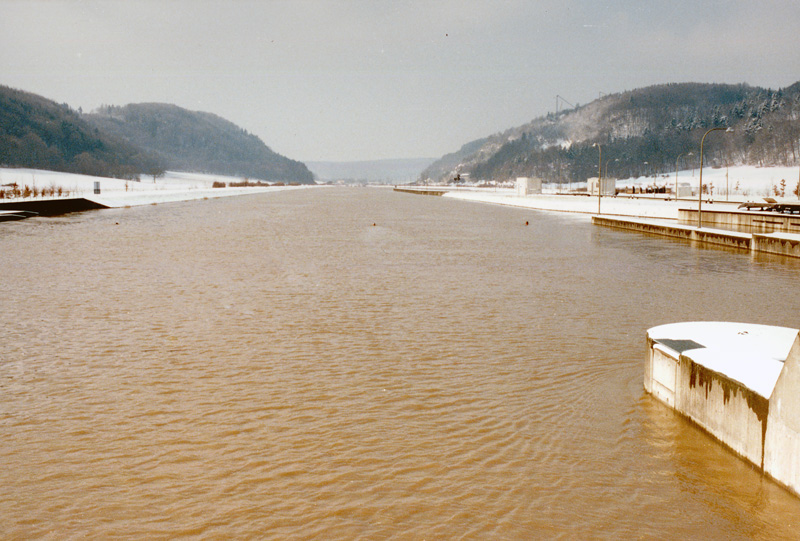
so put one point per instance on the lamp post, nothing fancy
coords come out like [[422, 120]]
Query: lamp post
[[647, 174], [599, 174], [606, 171], [700, 188]]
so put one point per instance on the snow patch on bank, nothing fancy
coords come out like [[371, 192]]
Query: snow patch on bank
[[114, 192]]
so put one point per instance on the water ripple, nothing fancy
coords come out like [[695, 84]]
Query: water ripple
[[277, 367]]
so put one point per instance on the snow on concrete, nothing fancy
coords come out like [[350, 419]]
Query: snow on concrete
[[750, 354]]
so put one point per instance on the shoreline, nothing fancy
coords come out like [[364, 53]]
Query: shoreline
[[645, 215], [80, 190], [66, 205]]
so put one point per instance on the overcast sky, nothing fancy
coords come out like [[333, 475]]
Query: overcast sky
[[360, 80]]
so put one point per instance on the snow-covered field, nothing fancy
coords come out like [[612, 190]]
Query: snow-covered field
[[173, 186], [730, 187], [580, 206], [744, 182]]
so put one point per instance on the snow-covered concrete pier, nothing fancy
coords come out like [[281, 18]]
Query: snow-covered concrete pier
[[787, 244], [753, 221], [740, 382]]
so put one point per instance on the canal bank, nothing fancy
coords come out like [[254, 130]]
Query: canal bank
[[117, 199], [82, 192], [50, 207], [761, 232], [786, 244]]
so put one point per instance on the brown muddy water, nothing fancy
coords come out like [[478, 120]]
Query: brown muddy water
[[275, 366]]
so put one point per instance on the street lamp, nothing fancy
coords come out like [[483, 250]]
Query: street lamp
[[676, 173], [606, 171], [599, 174], [700, 188], [647, 174]]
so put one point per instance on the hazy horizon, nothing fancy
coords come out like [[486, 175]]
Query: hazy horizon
[[364, 81]]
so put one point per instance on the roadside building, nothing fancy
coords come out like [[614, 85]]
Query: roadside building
[[608, 186], [528, 186]]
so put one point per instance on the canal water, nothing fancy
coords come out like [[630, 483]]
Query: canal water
[[363, 364]]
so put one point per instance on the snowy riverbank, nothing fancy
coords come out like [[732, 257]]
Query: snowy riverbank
[[731, 186], [583, 205], [171, 187]]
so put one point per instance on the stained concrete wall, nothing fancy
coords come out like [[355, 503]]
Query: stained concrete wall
[[726, 409], [782, 453], [773, 243], [731, 239], [751, 221], [765, 431], [777, 243]]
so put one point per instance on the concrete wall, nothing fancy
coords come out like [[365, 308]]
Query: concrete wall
[[773, 243], [726, 409], [661, 375], [53, 207], [776, 244], [765, 431], [421, 191], [751, 221], [731, 239], [782, 453]]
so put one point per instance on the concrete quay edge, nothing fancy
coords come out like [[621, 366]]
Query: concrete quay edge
[[786, 244], [736, 381]]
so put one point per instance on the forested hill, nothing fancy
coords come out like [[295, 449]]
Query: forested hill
[[641, 132], [196, 141], [39, 133]]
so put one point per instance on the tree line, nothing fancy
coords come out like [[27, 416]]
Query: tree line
[[39, 133], [643, 132], [126, 142]]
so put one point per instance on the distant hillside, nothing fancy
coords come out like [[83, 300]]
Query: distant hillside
[[39, 133], [641, 132], [196, 141], [376, 171]]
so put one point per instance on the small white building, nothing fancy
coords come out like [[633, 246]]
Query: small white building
[[684, 189], [528, 186], [609, 186]]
